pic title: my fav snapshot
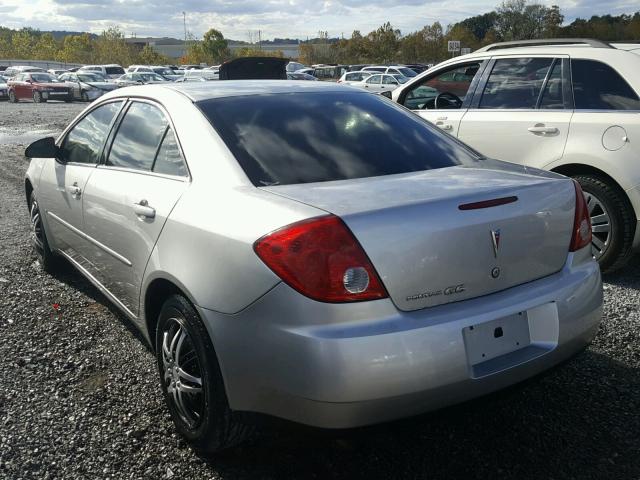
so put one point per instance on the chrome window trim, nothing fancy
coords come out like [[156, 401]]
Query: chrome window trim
[[130, 99], [177, 178]]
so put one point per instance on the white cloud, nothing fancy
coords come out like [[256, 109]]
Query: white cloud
[[275, 18]]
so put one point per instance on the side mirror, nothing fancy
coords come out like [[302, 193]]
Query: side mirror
[[43, 148], [386, 94]]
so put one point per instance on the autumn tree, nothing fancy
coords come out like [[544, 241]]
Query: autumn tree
[[77, 49]]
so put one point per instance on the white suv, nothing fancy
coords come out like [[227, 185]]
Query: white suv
[[571, 106]]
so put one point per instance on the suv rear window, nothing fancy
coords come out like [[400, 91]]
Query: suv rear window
[[281, 139], [515, 83], [114, 70], [597, 86]]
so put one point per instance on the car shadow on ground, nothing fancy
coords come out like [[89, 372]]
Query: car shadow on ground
[[68, 275], [578, 421], [628, 277]]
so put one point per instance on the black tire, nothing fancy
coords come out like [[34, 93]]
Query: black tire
[[204, 419], [49, 261], [37, 97], [84, 96], [12, 97], [612, 250]]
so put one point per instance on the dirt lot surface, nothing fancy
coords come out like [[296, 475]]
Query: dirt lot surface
[[80, 397]]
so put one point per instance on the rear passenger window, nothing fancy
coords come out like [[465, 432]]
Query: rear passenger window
[[169, 161], [553, 95], [596, 86], [138, 137], [84, 142], [515, 83]]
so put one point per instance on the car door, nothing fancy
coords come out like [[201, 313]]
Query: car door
[[20, 86], [62, 182], [389, 83], [522, 110], [129, 197], [373, 83], [443, 97]]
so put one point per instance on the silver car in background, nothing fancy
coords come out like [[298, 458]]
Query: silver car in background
[[311, 252]]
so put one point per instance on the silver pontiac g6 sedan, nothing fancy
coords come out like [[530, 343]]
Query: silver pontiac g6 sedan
[[313, 252]]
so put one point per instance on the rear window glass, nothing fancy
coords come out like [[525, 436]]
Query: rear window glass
[[281, 139], [597, 86], [114, 70], [515, 83]]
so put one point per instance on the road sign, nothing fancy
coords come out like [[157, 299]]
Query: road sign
[[453, 45], [465, 51]]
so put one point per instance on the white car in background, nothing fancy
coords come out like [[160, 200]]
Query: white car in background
[[139, 78], [166, 72], [571, 106], [12, 71], [354, 77], [87, 86], [110, 71], [381, 82], [392, 69]]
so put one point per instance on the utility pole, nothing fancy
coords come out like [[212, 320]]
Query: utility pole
[[184, 20], [260, 39]]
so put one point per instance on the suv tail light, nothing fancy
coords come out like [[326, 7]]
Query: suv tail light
[[321, 259], [581, 222]]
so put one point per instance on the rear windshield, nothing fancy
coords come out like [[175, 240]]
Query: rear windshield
[[114, 70], [281, 139]]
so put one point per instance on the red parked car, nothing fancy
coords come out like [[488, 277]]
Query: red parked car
[[38, 86]]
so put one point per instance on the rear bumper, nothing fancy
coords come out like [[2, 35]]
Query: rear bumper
[[341, 366]]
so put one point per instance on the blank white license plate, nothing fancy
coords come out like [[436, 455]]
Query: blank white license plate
[[495, 338]]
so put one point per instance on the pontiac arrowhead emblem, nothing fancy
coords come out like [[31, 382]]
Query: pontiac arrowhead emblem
[[495, 239]]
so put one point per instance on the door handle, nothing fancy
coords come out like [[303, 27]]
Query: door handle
[[541, 128], [444, 126], [143, 209], [74, 190]]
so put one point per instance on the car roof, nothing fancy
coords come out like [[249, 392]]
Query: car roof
[[199, 91]]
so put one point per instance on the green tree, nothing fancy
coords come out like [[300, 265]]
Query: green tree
[[518, 20], [148, 56], [384, 43], [553, 21], [111, 47], [214, 46]]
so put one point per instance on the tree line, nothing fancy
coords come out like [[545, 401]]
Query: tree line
[[511, 20]]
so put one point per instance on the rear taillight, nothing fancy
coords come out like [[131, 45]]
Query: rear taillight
[[581, 222], [321, 259]]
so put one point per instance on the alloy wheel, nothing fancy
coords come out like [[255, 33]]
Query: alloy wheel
[[600, 225], [182, 373], [36, 225]]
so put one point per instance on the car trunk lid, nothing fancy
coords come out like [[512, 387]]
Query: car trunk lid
[[432, 239]]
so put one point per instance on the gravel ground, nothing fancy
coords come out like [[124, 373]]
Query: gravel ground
[[80, 398]]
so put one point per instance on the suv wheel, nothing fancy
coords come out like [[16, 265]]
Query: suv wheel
[[612, 221], [12, 97], [191, 380], [47, 258]]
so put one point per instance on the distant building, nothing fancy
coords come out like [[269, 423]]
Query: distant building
[[175, 48]]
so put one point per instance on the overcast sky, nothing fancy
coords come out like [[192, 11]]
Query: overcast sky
[[276, 18]]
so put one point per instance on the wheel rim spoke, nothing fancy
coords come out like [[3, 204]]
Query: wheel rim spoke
[[182, 373], [600, 225]]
